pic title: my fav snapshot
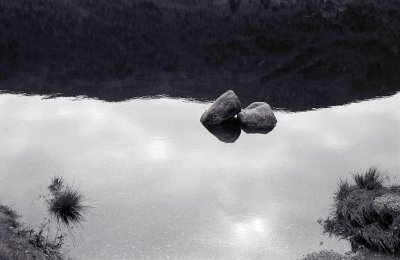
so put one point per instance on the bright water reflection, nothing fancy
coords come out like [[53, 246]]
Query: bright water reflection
[[165, 187]]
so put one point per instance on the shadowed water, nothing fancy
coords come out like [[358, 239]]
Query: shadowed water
[[165, 187]]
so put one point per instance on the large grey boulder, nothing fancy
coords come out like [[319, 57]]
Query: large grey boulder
[[225, 107], [258, 116]]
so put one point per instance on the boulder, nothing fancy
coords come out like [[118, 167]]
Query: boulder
[[258, 116], [225, 107]]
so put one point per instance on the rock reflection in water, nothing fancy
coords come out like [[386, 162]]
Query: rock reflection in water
[[230, 130], [227, 132], [256, 130]]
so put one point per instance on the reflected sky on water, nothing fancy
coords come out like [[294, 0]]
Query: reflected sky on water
[[165, 187]]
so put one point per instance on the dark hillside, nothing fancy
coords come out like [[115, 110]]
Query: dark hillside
[[296, 56]]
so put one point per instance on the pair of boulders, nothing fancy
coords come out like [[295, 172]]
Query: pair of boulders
[[257, 116]]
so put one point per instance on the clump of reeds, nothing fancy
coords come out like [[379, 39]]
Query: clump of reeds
[[356, 218], [66, 203], [371, 179]]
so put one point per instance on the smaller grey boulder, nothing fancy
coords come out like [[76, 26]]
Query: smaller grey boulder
[[258, 116], [225, 107]]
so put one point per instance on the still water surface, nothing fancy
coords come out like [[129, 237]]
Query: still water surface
[[164, 187]]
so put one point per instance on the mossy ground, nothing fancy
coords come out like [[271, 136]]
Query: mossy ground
[[18, 243]]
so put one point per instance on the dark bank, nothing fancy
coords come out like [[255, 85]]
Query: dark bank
[[298, 55]]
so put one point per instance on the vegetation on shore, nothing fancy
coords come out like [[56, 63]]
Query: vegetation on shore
[[65, 205], [367, 213], [19, 242]]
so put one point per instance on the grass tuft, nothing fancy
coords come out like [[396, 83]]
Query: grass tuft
[[67, 202], [371, 179]]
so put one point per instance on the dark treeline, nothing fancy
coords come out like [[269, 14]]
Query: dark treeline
[[307, 50]]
